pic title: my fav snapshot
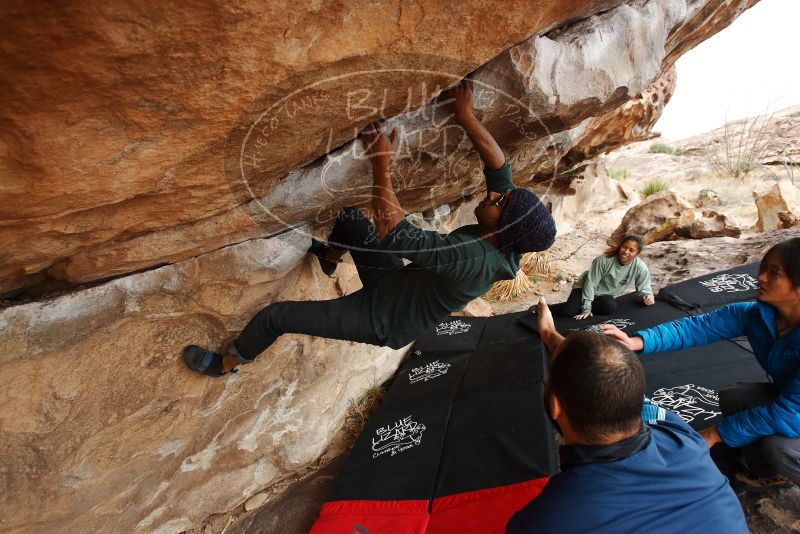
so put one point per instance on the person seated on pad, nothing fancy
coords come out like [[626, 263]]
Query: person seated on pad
[[761, 417], [397, 304], [611, 273], [626, 465]]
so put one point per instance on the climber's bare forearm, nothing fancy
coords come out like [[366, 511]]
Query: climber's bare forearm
[[379, 149], [385, 205], [552, 340], [488, 149]]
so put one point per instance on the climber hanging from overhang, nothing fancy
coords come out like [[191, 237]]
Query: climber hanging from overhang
[[399, 303]]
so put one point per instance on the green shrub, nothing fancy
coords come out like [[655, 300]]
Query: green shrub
[[660, 148], [663, 148], [619, 174], [654, 186]]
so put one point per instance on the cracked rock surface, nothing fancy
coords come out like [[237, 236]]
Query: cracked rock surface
[[147, 134]]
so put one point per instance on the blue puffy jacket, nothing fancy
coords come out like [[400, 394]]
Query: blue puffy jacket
[[779, 356], [670, 486]]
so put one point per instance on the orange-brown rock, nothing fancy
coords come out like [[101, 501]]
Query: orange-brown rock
[[778, 205], [140, 134], [629, 123], [656, 218], [664, 216], [708, 223]]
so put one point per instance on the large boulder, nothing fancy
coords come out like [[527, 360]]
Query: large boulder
[[778, 205], [665, 216], [708, 223], [148, 134], [103, 428], [657, 218]]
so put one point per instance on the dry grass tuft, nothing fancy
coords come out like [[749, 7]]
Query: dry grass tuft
[[509, 289], [360, 409], [535, 263], [744, 145]]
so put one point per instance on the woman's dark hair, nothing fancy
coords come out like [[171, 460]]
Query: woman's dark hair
[[787, 253], [613, 251]]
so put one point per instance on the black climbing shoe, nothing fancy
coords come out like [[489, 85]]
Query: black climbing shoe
[[204, 361], [319, 250]]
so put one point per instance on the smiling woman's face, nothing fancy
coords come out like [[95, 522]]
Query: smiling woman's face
[[627, 251]]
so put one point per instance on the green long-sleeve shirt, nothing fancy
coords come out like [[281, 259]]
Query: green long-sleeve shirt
[[607, 276], [446, 273]]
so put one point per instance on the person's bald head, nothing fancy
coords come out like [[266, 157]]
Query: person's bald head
[[599, 384]]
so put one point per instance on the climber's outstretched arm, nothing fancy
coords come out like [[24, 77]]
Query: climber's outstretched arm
[[461, 106], [380, 149]]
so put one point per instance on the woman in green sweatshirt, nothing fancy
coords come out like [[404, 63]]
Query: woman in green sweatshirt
[[609, 277]]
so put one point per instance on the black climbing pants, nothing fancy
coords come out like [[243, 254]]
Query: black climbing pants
[[602, 305], [347, 318], [770, 453]]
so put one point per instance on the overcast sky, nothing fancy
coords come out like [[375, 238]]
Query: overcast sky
[[750, 67]]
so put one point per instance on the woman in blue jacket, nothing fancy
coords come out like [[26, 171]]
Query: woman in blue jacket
[[764, 417]]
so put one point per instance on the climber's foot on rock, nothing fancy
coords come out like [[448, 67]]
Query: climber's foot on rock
[[329, 258], [208, 363]]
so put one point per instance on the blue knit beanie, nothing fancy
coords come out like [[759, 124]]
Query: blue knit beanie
[[525, 224]]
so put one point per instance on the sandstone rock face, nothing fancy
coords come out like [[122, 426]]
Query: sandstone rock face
[[142, 134], [111, 433], [587, 190], [148, 134], [769, 140], [296, 510], [255, 501], [778, 206], [629, 123], [115, 144]]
